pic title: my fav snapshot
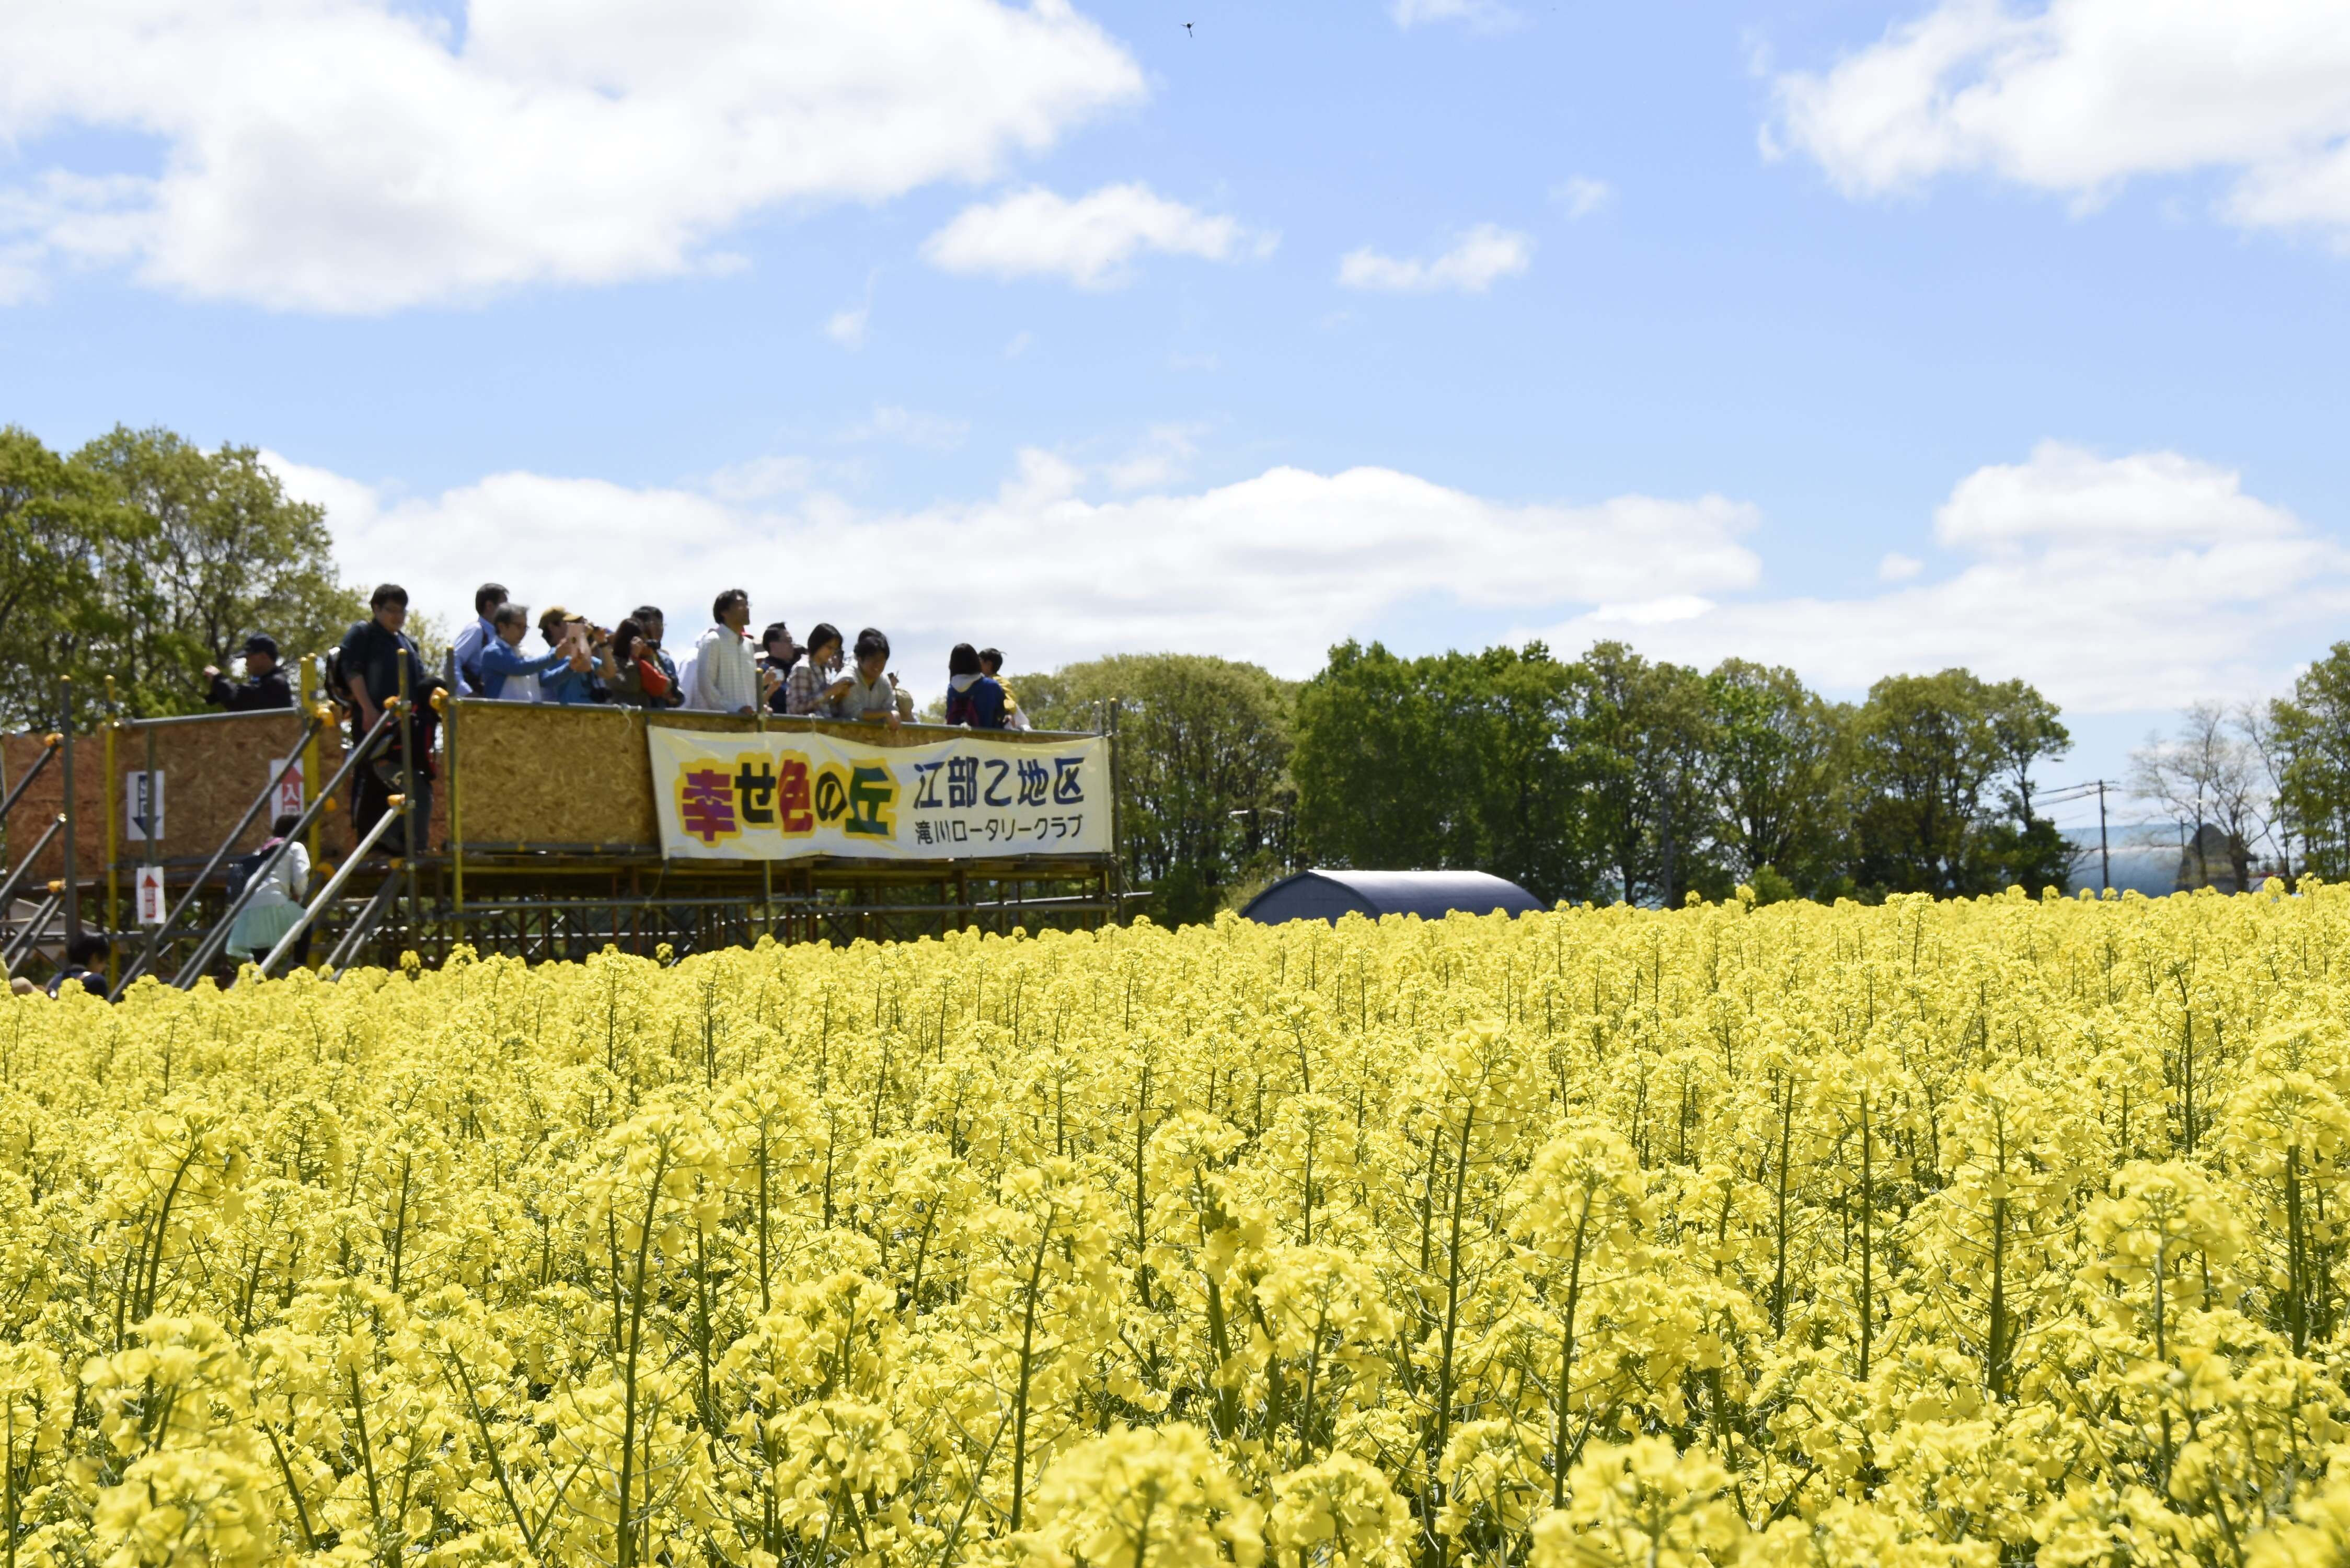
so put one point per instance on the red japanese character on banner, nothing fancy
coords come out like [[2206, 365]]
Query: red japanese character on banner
[[705, 804], [794, 811]]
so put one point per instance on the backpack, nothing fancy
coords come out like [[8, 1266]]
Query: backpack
[[241, 869]]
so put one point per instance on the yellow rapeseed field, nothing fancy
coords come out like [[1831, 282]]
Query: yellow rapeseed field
[[1992, 1232]]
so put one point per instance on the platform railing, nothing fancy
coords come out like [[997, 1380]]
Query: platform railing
[[217, 938]]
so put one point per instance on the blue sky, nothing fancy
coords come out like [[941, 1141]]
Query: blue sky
[[1856, 337]]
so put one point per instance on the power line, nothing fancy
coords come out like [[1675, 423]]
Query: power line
[[2064, 794]]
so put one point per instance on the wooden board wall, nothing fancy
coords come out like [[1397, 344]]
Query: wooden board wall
[[212, 765]]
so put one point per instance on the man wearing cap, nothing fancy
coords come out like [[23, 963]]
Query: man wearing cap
[[263, 686]]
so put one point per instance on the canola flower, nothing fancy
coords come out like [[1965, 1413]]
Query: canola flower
[[1974, 1233]]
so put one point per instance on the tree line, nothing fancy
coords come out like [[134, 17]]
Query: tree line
[[1606, 778], [143, 557], [2260, 788]]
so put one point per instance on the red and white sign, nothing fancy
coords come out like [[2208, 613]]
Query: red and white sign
[[148, 895], [289, 788]]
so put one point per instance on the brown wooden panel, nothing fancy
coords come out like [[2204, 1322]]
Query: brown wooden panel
[[551, 773], [212, 765], [41, 802]]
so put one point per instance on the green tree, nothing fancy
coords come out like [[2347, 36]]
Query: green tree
[[1646, 734], [2024, 732], [1528, 782], [2311, 732], [1942, 768], [1779, 757], [1376, 787], [214, 549], [1451, 760], [56, 524], [1204, 751]]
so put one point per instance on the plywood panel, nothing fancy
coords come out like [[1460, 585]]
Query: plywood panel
[[45, 799], [212, 767], [530, 773]]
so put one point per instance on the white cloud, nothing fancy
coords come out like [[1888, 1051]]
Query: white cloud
[[2067, 493], [1582, 195], [2076, 97], [846, 325], [356, 156], [2113, 584], [1898, 567], [1022, 341], [1091, 241], [1662, 612], [1484, 254], [762, 478], [908, 427], [1162, 456], [1273, 568], [1483, 16], [2117, 585]]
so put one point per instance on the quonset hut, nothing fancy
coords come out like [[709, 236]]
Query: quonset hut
[[1430, 894]]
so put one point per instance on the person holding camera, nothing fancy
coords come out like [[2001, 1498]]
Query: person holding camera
[[637, 680], [264, 687], [652, 625], [778, 655], [508, 674], [587, 651]]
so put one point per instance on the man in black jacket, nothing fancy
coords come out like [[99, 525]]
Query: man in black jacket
[[265, 685], [368, 664]]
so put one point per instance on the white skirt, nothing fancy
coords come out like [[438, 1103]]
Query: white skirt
[[261, 926]]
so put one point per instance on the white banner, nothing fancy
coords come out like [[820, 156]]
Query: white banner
[[790, 795]]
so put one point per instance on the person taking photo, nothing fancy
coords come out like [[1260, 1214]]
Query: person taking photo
[[265, 685]]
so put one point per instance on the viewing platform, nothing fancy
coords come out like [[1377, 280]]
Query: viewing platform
[[553, 831]]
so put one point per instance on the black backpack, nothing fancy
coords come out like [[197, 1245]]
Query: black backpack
[[241, 869]]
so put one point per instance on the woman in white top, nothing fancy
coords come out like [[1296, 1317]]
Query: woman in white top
[[276, 901]]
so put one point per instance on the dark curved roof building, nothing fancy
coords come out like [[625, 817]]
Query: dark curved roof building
[[1430, 894]]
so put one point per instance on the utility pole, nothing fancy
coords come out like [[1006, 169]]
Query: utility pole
[[73, 824], [2105, 850], [2080, 792]]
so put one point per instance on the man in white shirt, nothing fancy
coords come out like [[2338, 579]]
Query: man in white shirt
[[726, 676]]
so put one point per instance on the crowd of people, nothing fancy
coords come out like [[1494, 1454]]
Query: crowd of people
[[575, 661], [727, 670]]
